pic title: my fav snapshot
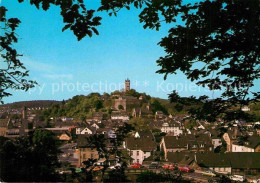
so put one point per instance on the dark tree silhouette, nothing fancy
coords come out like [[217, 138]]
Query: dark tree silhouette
[[12, 72], [216, 44], [30, 159]]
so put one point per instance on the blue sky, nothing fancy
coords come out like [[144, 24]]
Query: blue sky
[[62, 65]]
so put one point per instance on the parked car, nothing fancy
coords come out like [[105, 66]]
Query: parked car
[[118, 165], [78, 170], [65, 172], [185, 169], [169, 167], [98, 168], [209, 173], [154, 165], [239, 178], [136, 165], [255, 181]]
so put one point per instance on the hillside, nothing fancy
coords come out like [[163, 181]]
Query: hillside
[[31, 104]]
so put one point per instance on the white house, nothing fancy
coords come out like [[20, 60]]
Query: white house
[[216, 141], [119, 116], [140, 148], [252, 144], [245, 108], [64, 119], [85, 131], [241, 148], [172, 127], [94, 125]]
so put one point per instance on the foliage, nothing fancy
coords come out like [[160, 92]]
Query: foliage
[[80, 107], [13, 73], [140, 124], [29, 159], [224, 179], [216, 44], [107, 147], [75, 16], [191, 124], [117, 175], [158, 134], [15, 116], [150, 176], [206, 50], [157, 106]]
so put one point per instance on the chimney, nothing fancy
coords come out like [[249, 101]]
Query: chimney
[[148, 106], [24, 115], [235, 133]]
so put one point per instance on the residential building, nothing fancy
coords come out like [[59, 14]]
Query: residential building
[[238, 163], [140, 147], [118, 115], [4, 126], [245, 108], [142, 112], [174, 128], [217, 162], [252, 144], [64, 119], [87, 129], [216, 140], [98, 116], [68, 154], [144, 134], [230, 137], [159, 115], [85, 151], [198, 143]]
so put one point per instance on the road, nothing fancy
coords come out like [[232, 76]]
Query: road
[[197, 177]]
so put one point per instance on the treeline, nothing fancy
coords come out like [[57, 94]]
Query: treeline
[[79, 107], [31, 104], [82, 107]]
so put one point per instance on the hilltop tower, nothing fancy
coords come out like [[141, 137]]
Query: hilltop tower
[[127, 85]]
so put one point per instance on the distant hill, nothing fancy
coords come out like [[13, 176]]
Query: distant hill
[[31, 104]]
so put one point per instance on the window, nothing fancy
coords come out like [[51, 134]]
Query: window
[[84, 156], [137, 160], [131, 153], [137, 153]]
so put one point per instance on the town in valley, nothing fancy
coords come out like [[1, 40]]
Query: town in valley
[[99, 133]]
